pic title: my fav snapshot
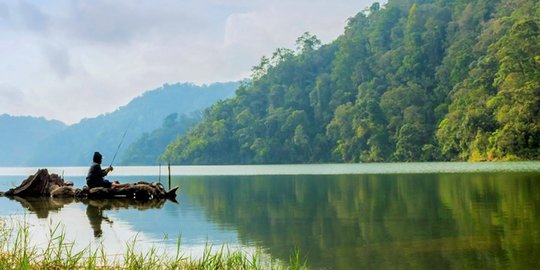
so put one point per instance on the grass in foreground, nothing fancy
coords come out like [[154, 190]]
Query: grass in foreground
[[16, 252]]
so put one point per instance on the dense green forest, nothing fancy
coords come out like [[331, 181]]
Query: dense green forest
[[413, 80], [149, 147]]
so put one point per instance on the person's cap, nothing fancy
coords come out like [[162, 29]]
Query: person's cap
[[97, 157]]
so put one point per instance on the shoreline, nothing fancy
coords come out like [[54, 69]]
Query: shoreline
[[17, 252], [293, 169]]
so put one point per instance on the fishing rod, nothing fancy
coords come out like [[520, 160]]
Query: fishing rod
[[120, 144]]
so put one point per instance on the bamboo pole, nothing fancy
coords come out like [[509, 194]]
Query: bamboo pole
[[159, 177], [169, 176]]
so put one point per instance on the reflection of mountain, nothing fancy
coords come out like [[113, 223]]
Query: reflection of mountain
[[379, 222]]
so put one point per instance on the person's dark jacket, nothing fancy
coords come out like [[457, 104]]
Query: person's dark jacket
[[95, 177]]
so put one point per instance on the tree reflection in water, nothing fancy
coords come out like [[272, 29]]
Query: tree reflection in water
[[411, 221]]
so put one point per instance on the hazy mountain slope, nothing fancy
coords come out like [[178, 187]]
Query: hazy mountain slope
[[75, 144], [20, 135]]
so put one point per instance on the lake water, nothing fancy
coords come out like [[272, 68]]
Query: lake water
[[354, 216]]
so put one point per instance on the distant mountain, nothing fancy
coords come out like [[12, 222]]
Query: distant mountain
[[75, 144], [21, 134]]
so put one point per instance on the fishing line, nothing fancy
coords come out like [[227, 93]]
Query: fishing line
[[120, 144]]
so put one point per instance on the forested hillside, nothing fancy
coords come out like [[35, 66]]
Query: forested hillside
[[411, 81], [148, 148]]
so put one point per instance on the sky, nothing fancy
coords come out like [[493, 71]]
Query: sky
[[74, 59]]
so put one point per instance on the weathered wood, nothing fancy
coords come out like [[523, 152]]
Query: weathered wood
[[143, 191], [65, 192], [43, 184], [40, 184]]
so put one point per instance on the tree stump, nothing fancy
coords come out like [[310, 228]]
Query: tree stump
[[40, 184]]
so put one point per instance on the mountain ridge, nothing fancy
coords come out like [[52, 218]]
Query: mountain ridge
[[73, 145]]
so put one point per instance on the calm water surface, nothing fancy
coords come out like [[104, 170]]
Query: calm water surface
[[366, 216]]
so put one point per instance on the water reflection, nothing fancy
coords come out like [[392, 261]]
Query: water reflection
[[42, 206], [95, 209], [463, 221], [377, 221], [95, 216], [113, 224]]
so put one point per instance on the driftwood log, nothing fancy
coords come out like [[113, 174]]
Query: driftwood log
[[43, 184]]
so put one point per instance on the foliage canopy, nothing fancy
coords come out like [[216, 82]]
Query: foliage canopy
[[415, 80]]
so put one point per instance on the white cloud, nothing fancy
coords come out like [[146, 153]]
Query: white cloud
[[58, 59], [31, 17], [72, 55], [11, 97], [4, 11]]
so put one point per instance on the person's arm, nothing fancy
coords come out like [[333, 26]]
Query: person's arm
[[104, 172], [107, 170]]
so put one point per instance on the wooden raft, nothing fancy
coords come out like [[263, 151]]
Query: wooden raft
[[43, 184]]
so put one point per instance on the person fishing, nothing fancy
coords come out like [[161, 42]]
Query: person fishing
[[96, 174], [95, 177]]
